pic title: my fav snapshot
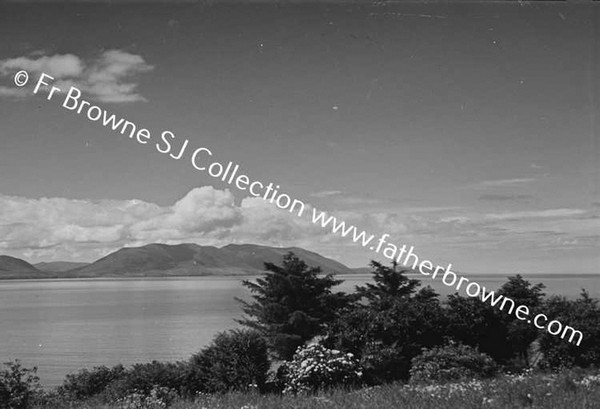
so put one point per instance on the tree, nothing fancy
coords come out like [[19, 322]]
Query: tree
[[568, 348], [391, 328], [292, 304], [390, 284], [520, 334], [522, 292], [476, 323]]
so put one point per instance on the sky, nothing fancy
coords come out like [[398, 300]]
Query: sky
[[467, 130]]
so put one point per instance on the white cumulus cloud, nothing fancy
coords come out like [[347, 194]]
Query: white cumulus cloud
[[110, 77]]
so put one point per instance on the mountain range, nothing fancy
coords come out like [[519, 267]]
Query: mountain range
[[162, 260]]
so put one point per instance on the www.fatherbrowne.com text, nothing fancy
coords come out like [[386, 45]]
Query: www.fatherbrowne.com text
[[201, 159]]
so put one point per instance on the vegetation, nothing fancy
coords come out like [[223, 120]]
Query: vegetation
[[316, 367], [567, 389], [236, 360], [18, 386], [388, 325], [291, 305], [451, 363], [389, 344]]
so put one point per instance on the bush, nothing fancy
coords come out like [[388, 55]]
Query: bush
[[157, 398], [386, 340], [582, 350], [18, 386], [114, 384], [315, 367], [143, 378], [235, 361], [87, 383], [450, 363]]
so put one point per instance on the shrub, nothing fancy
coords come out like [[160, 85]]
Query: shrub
[[157, 398], [315, 367], [235, 361], [386, 340], [112, 384], [453, 362], [476, 323], [143, 378], [582, 314], [87, 383], [18, 386]]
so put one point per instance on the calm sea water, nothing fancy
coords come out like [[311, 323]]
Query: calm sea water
[[61, 326]]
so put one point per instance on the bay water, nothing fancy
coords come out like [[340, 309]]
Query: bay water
[[62, 326]]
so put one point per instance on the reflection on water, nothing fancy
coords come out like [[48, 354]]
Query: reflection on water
[[62, 326]]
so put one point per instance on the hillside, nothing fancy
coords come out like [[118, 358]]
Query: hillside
[[159, 260], [11, 267], [58, 266]]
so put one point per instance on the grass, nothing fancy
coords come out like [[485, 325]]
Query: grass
[[565, 390]]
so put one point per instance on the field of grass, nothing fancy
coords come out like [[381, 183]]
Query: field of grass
[[559, 391]]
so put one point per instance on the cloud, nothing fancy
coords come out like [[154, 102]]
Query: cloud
[[503, 198], [62, 227], [108, 78], [506, 182], [534, 214], [59, 66], [347, 200], [84, 230], [13, 92], [327, 193]]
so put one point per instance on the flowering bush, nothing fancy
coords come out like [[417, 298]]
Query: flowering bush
[[158, 398], [316, 367], [590, 381], [450, 363]]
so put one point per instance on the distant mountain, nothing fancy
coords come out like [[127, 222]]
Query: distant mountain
[[11, 267], [362, 270], [58, 266], [256, 256], [369, 270], [159, 260]]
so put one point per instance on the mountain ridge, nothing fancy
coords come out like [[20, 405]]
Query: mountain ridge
[[164, 260]]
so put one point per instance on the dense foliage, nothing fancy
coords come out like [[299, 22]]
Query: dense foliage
[[389, 329], [583, 314], [451, 363], [235, 360], [18, 386], [389, 325], [87, 383], [292, 304]]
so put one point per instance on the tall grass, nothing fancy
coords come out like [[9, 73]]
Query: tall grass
[[567, 389]]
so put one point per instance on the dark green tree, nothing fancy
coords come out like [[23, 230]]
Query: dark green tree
[[390, 326], [520, 334], [389, 285], [522, 292], [476, 323], [292, 304], [569, 348]]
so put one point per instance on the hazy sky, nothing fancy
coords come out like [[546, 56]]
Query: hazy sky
[[467, 130]]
